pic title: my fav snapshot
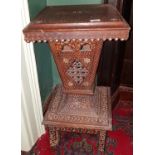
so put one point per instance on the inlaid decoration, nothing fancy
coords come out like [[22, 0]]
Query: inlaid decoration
[[77, 61], [81, 109]]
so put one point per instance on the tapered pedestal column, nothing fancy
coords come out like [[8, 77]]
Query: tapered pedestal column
[[77, 61]]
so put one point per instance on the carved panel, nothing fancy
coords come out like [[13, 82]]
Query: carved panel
[[77, 72], [77, 61], [75, 44]]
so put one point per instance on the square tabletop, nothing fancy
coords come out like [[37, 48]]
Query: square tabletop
[[77, 17]]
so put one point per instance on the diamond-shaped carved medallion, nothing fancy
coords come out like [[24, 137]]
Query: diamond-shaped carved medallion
[[77, 71]]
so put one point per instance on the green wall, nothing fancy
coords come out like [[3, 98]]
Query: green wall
[[73, 2], [47, 71], [35, 6]]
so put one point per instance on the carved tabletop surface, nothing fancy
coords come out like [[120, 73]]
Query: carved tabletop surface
[[80, 21]]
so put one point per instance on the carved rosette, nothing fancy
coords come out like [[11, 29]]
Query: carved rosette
[[77, 61]]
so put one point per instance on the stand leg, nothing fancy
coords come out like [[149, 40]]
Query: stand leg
[[54, 137], [102, 137]]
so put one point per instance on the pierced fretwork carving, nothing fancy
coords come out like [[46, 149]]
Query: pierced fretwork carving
[[77, 61], [81, 45], [85, 47], [67, 48], [77, 72]]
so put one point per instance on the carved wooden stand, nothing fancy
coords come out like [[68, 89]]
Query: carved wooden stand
[[75, 35]]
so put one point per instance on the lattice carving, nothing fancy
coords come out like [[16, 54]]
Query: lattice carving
[[77, 72]]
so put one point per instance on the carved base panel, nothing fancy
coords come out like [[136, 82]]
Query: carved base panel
[[80, 111], [54, 135]]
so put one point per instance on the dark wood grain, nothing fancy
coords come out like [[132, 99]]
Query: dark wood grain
[[79, 17], [80, 22]]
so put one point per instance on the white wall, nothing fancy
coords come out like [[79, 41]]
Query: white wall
[[31, 107]]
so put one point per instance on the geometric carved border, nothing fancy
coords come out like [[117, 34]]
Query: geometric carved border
[[100, 111]]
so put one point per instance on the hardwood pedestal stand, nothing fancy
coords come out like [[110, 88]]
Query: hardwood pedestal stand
[[75, 35]]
